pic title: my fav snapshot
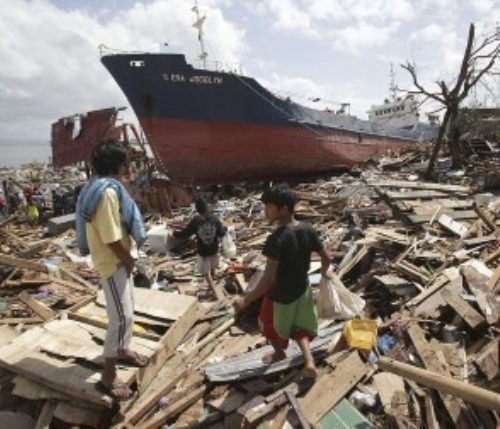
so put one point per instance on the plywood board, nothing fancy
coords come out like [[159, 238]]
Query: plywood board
[[456, 408], [316, 404], [162, 305], [75, 415], [472, 317], [391, 389], [25, 388], [64, 376]]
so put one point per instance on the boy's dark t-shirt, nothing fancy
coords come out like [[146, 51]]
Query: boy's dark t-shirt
[[208, 230], [291, 246]]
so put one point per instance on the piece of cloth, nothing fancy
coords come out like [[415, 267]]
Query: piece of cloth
[[207, 264], [280, 322], [89, 199], [105, 228], [119, 294], [32, 212], [291, 246], [208, 230]]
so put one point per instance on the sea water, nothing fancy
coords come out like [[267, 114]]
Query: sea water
[[14, 153]]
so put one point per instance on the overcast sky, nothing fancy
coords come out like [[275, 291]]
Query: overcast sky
[[339, 50]]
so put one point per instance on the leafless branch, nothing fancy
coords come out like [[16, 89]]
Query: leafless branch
[[411, 69]]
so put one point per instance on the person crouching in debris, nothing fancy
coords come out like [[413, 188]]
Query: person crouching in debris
[[288, 309], [106, 218], [208, 230]]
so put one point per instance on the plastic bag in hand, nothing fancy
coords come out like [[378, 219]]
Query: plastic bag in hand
[[334, 301]]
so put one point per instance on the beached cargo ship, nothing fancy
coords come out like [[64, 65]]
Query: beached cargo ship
[[212, 126]]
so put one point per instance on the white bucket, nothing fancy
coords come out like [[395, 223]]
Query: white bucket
[[157, 238]]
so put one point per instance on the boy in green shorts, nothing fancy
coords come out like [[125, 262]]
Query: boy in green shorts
[[288, 309]]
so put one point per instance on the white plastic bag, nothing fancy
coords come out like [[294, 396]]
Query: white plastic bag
[[334, 301], [228, 246]]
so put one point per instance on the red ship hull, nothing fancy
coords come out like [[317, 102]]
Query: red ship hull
[[201, 152]]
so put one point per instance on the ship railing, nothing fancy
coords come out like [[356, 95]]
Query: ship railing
[[106, 50], [218, 66]]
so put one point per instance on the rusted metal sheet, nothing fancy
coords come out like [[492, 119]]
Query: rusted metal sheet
[[74, 137]]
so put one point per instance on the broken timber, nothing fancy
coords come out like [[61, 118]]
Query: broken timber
[[443, 384], [316, 404], [456, 409], [466, 312]]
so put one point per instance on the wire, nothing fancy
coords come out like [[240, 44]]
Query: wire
[[290, 116]]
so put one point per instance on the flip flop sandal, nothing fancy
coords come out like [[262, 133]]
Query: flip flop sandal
[[134, 360], [108, 390]]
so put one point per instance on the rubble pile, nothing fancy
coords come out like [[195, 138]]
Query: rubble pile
[[422, 351]]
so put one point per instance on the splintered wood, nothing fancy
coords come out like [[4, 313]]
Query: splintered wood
[[424, 257]]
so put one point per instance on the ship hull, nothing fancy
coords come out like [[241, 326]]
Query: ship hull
[[214, 127], [197, 151]]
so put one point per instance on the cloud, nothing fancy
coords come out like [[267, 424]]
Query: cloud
[[289, 16], [343, 24], [445, 48], [483, 6], [358, 37], [50, 60]]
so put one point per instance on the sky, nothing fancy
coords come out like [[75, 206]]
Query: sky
[[337, 50]]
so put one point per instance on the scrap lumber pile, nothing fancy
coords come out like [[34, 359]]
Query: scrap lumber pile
[[425, 258]]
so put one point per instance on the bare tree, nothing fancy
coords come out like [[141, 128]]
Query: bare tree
[[477, 63]]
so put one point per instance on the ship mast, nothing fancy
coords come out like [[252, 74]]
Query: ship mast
[[393, 89], [200, 20]]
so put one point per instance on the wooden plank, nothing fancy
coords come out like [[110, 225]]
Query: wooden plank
[[69, 284], [485, 217], [437, 285], [494, 281], [338, 383], [218, 291], [413, 271], [19, 320], [94, 321], [415, 195], [431, 420], [38, 307], [10, 276], [492, 256], [455, 215], [230, 401], [421, 185], [77, 415], [174, 409], [298, 411], [391, 389], [472, 317], [64, 376], [488, 360], [280, 418], [259, 409], [158, 304], [168, 343], [478, 284], [445, 385], [456, 408], [46, 415], [473, 242], [22, 263], [433, 205], [452, 225], [353, 262], [139, 410], [71, 276]]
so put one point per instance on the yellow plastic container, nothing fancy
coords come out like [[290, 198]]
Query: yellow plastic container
[[361, 333]]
